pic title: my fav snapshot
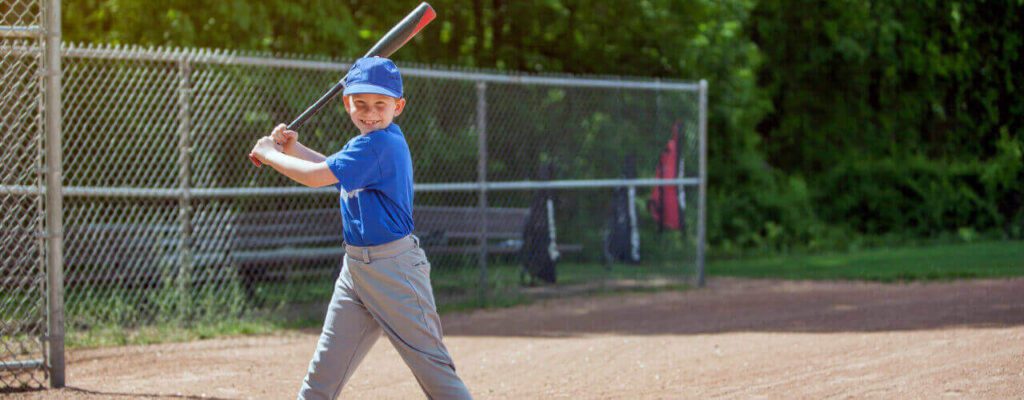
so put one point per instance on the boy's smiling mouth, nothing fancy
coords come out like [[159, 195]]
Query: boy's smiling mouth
[[370, 122]]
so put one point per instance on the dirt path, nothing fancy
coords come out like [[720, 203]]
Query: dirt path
[[736, 339]]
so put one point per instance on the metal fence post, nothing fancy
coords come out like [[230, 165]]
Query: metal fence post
[[54, 197], [184, 182], [703, 188], [481, 127]]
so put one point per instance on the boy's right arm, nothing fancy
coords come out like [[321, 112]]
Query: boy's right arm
[[289, 141], [312, 174], [301, 151]]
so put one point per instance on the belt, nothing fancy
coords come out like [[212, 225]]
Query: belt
[[366, 254]]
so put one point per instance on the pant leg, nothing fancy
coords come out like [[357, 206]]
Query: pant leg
[[397, 293], [348, 334]]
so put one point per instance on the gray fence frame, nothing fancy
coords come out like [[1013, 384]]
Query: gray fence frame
[[185, 193], [54, 197], [47, 36]]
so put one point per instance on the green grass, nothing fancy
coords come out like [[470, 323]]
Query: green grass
[[113, 335], [944, 262]]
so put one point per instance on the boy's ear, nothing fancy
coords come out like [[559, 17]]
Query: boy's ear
[[346, 100], [399, 106]]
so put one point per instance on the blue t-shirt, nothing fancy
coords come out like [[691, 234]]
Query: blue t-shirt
[[374, 174]]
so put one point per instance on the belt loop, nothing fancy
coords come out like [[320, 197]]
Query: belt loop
[[415, 240], [366, 255]]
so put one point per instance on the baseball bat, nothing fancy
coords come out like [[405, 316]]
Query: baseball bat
[[392, 41]]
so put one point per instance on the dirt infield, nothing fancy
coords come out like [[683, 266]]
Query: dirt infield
[[736, 339]]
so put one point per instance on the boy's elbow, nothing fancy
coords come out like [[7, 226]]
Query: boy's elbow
[[320, 176], [320, 184], [303, 178], [312, 181], [316, 181]]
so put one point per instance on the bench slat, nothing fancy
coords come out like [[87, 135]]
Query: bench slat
[[287, 254]]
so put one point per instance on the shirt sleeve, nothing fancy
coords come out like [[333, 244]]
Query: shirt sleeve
[[357, 166]]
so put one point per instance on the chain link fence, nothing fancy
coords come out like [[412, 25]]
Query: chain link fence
[[166, 222], [25, 67]]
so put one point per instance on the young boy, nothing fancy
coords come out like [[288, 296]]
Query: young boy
[[384, 283]]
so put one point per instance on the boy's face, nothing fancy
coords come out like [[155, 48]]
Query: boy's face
[[370, 112]]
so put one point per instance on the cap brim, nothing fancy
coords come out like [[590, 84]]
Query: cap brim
[[361, 88]]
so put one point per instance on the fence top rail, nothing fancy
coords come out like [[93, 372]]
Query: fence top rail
[[226, 57], [12, 31], [199, 193]]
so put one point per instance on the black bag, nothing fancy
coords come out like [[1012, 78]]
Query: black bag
[[539, 252]]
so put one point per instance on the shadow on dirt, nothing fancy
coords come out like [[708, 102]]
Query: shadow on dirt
[[72, 391], [741, 305]]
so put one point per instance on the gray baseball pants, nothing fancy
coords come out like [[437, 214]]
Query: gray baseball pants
[[385, 289]]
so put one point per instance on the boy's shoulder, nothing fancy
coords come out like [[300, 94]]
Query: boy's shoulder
[[389, 135], [381, 141]]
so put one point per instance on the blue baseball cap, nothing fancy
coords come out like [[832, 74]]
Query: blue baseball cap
[[374, 75]]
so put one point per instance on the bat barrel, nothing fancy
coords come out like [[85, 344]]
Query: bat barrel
[[403, 31]]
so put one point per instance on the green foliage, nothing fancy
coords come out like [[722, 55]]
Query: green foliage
[[915, 195], [905, 115], [305, 26], [763, 211], [1003, 177], [829, 120]]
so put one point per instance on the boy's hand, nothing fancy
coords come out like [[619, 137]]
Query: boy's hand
[[284, 137], [263, 147]]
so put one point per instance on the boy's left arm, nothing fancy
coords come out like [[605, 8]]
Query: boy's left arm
[[305, 172]]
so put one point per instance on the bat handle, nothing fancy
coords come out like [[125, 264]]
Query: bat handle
[[320, 103], [338, 87]]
